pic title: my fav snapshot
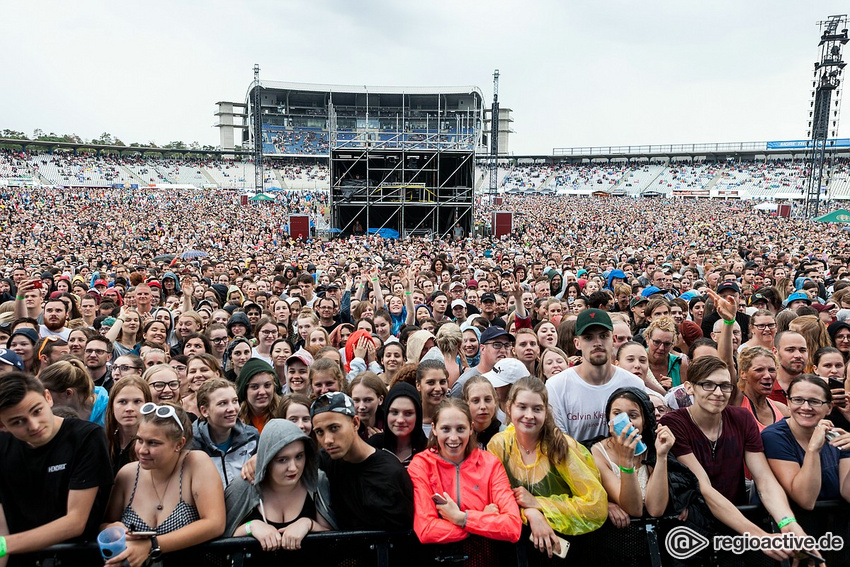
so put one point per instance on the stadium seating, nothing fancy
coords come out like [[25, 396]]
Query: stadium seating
[[772, 179], [639, 178]]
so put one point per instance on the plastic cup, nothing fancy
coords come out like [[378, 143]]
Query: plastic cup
[[112, 541], [620, 422]]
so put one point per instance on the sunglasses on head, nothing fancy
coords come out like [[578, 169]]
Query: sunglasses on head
[[163, 412]]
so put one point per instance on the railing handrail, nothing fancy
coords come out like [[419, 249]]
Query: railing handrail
[[241, 550]]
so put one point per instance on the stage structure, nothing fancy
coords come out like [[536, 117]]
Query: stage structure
[[494, 139], [403, 160], [257, 123], [825, 107]]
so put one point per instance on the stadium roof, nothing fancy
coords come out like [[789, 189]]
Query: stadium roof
[[317, 87]]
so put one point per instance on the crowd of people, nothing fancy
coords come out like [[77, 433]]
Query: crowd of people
[[90, 170], [609, 360]]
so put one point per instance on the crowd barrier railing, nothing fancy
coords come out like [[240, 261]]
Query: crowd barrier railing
[[640, 544]]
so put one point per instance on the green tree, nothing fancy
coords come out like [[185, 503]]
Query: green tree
[[13, 134]]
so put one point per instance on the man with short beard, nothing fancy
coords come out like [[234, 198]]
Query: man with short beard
[[95, 356], [792, 353], [55, 313], [579, 394]]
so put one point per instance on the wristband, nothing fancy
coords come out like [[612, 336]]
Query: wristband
[[725, 322], [374, 279], [785, 521], [2, 547], [248, 528], [465, 518], [629, 470], [20, 297], [408, 293]]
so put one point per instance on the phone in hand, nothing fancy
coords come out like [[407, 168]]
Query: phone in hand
[[565, 546], [37, 284], [438, 499]]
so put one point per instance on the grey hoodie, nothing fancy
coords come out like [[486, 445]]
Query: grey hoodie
[[241, 496], [243, 445]]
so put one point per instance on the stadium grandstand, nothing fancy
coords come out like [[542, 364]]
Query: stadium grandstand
[[774, 177]]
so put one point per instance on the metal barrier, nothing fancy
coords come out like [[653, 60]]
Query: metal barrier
[[640, 544]]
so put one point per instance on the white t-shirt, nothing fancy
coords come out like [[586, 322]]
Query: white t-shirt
[[63, 333], [579, 407]]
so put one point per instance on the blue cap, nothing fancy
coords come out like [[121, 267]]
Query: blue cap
[[689, 295], [797, 296], [651, 290]]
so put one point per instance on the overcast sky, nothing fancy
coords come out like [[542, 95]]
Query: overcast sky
[[574, 73]]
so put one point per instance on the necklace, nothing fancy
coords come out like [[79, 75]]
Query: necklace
[[164, 492], [524, 450], [712, 444]]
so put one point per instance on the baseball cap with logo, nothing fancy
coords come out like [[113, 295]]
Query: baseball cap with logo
[[759, 298], [506, 372], [487, 297], [728, 286], [11, 358], [590, 318]]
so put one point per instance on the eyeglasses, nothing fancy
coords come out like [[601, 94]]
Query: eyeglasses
[[160, 386], [797, 401], [268, 332], [763, 326], [657, 343], [499, 346], [161, 411], [122, 368], [97, 351], [219, 340], [725, 387]]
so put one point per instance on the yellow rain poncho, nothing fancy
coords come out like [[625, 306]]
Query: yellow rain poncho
[[571, 494]]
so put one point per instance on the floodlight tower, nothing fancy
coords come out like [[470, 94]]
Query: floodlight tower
[[825, 106], [494, 138], [258, 133]]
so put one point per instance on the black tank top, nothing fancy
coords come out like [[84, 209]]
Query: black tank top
[[308, 510]]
